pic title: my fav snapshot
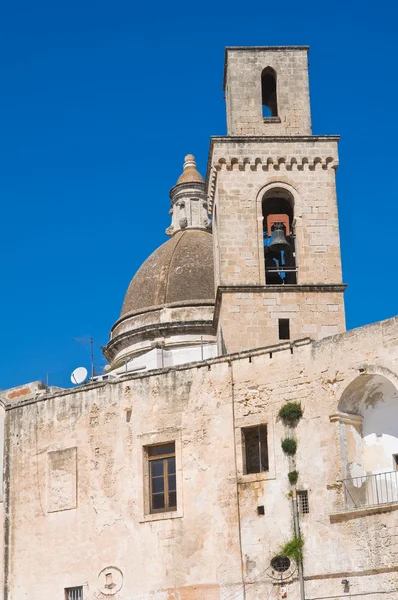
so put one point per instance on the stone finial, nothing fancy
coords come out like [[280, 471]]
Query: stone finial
[[189, 207], [190, 173]]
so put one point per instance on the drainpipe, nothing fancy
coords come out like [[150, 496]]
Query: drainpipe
[[297, 534]]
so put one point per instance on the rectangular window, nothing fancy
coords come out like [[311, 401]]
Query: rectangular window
[[162, 477], [74, 593], [256, 448], [395, 461], [302, 502], [284, 329]]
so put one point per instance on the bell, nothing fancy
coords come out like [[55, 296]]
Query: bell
[[279, 241]]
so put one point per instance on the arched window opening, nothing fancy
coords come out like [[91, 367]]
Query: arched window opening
[[368, 415], [268, 93], [279, 238]]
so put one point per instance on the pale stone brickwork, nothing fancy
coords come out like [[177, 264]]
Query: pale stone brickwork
[[250, 317], [245, 171], [215, 541], [76, 509], [242, 84], [242, 170]]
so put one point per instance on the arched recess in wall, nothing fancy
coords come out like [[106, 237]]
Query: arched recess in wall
[[278, 235], [269, 93], [368, 416]]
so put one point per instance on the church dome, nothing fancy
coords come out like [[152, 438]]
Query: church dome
[[168, 310], [179, 271]]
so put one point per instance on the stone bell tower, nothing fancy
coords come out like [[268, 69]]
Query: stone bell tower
[[272, 192]]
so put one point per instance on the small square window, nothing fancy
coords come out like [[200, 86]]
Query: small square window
[[256, 449], [74, 593], [162, 477], [284, 329], [302, 501]]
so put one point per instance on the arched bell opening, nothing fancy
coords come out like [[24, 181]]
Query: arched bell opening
[[279, 237], [368, 415], [268, 93]]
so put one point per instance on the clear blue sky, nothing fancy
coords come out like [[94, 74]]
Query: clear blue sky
[[99, 104]]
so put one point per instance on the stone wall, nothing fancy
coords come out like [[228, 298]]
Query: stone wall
[[243, 68], [250, 318], [241, 172], [76, 489]]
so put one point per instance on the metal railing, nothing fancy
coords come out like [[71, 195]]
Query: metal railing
[[371, 490]]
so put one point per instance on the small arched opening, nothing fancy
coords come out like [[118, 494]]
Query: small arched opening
[[279, 237], [368, 414], [268, 93]]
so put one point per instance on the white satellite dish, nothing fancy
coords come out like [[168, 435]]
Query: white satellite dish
[[79, 375]]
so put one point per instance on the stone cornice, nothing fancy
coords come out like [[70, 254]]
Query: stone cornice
[[146, 310], [244, 139], [155, 330], [273, 289], [280, 159]]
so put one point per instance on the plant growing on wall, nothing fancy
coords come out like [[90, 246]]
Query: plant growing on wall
[[293, 476], [289, 446], [294, 548], [291, 412]]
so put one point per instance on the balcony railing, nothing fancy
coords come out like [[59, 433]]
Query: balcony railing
[[371, 490]]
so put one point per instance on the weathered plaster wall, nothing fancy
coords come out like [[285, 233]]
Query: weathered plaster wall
[[212, 541]]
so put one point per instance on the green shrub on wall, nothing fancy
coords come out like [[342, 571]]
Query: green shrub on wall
[[289, 445], [293, 476], [291, 412]]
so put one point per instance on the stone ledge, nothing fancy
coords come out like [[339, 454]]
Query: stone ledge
[[162, 516], [236, 139], [271, 120], [363, 511]]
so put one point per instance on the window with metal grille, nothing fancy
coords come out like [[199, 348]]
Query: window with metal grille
[[256, 448], [162, 477], [74, 593], [302, 501]]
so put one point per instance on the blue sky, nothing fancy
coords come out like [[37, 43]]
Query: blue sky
[[101, 101]]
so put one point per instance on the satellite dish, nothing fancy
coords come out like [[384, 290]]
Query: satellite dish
[[79, 375]]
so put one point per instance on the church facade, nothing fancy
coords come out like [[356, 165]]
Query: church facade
[[241, 444]]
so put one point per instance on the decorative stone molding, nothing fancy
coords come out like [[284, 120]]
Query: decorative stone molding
[[346, 418], [267, 164], [276, 163]]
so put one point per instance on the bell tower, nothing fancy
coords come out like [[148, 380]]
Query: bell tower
[[272, 193]]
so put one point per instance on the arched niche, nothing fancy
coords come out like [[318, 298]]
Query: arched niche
[[368, 416]]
